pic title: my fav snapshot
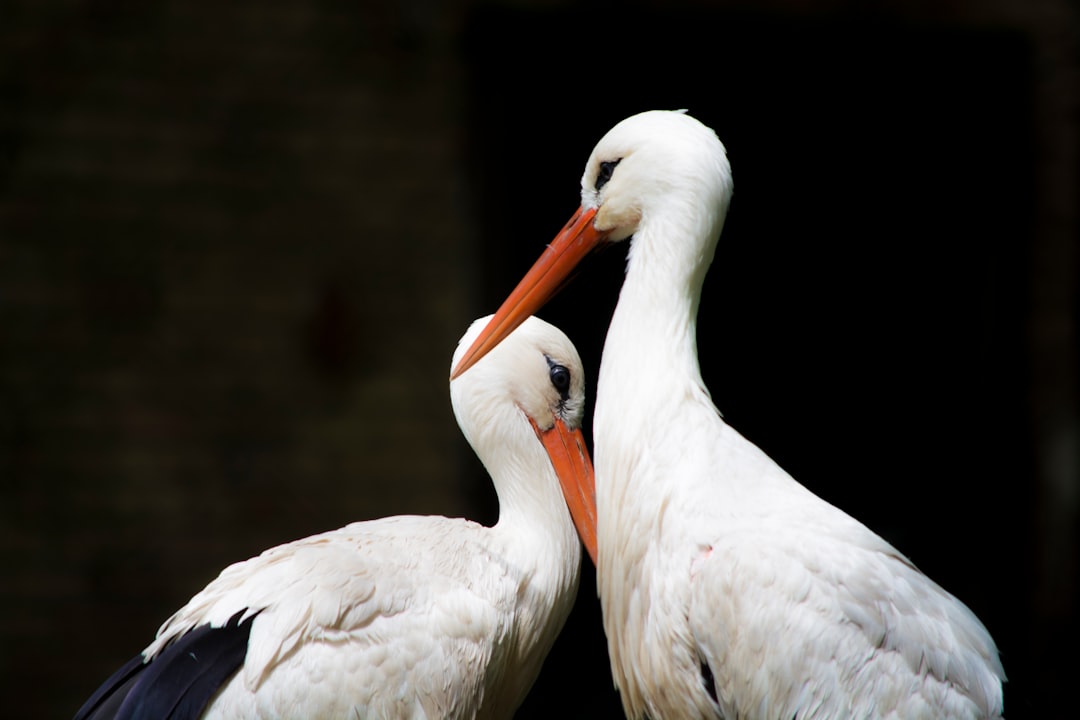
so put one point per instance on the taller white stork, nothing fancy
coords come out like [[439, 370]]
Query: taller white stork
[[403, 617], [727, 588]]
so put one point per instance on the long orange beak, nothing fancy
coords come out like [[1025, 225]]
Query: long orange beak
[[543, 280], [570, 458]]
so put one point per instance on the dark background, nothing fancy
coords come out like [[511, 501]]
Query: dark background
[[239, 241]]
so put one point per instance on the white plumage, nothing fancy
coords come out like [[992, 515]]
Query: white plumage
[[727, 588], [413, 616]]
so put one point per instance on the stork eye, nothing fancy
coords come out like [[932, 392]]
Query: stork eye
[[606, 168], [560, 380]]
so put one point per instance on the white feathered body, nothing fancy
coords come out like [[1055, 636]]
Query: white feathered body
[[402, 617], [714, 564]]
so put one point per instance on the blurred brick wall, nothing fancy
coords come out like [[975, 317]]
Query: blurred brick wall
[[233, 269]]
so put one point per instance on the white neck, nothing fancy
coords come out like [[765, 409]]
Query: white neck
[[534, 524], [529, 508], [651, 344], [541, 549]]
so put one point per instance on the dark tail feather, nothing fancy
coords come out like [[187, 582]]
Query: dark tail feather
[[107, 698], [179, 682]]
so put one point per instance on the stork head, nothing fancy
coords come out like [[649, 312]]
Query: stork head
[[532, 384], [658, 169], [656, 163]]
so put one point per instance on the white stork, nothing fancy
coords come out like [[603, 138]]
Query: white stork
[[728, 589], [406, 616]]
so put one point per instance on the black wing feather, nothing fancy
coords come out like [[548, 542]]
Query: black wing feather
[[179, 682], [107, 698]]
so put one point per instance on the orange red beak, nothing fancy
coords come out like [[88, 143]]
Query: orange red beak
[[543, 280], [570, 458]]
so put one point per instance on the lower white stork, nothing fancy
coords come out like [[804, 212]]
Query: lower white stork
[[727, 588], [406, 616]]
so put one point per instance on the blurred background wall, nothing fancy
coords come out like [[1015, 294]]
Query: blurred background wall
[[239, 241]]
